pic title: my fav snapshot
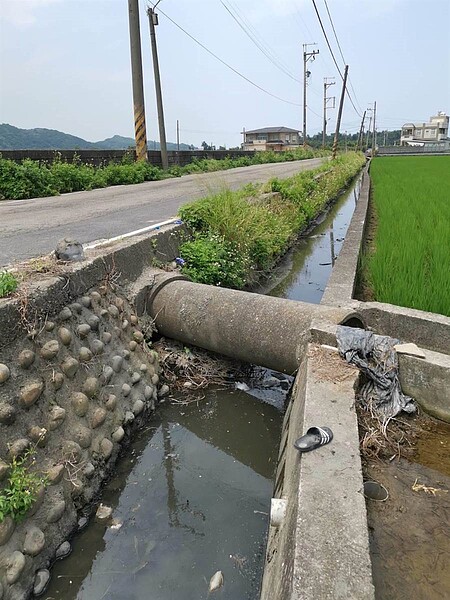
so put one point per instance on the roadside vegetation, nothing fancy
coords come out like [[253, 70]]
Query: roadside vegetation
[[8, 283], [408, 261], [239, 235], [33, 179]]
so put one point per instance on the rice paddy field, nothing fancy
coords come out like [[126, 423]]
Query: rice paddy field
[[408, 261]]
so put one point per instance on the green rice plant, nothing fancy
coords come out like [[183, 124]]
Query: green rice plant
[[8, 284], [409, 263]]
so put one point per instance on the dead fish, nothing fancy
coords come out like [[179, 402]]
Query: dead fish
[[216, 581]]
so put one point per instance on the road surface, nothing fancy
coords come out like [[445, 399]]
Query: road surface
[[30, 228]]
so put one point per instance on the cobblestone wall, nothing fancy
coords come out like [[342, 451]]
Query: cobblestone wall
[[72, 392]]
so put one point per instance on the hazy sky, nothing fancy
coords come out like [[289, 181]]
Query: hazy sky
[[65, 64]]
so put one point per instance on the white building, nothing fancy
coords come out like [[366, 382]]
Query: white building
[[435, 132]]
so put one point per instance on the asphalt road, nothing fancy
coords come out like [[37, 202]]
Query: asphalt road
[[30, 228]]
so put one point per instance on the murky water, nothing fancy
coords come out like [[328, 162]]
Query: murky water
[[193, 494]]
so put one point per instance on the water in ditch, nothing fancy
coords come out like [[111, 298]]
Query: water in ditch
[[192, 494]]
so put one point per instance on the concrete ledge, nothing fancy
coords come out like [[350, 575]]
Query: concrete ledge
[[326, 519]]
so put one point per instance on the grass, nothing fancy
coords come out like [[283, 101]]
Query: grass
[[408, 263], [8, 284], [32, 179], [239, 235]]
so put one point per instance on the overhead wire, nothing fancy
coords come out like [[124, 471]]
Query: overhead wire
[[227, 64], [332, 55]]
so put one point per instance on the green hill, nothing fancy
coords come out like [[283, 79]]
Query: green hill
[[13, 138]]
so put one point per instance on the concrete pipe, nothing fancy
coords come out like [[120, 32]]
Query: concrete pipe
[[263, 330]]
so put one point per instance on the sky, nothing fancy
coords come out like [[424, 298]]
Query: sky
[[65, 64]]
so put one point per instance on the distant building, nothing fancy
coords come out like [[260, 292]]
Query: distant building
[[271, 138], [424, 134]]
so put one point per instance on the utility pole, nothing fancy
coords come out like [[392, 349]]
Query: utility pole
[[361, 133], [341, 106], [140, 132], [153, 21], [368, 128], [385, 132], [178, 135], [374, 135], [307, 56], [326, 85]]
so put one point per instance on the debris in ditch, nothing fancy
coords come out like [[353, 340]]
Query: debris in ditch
[[116, 524], [375, 356], [239, 385], [420, 487], [216, 581], [103, 512], [189, 369], [410, 349]]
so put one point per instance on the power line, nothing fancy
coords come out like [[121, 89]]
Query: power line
[[268, 53], [332, 55], [340, 50], [226, 64]]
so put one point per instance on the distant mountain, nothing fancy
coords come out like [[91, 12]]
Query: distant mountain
[[13, 138]]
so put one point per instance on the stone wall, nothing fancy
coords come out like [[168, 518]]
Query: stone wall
[[72, 391]]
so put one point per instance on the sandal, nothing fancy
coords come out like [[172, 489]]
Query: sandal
[[314, 438]]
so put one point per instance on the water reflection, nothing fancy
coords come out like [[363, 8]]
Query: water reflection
[[306, 269], [191, 485]]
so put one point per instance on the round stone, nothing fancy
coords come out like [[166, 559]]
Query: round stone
[[113, 310], [85, 301], [39, 499], [26, 358], [126, 389], [56, 511], [117, 331], [118, 434], [83, 436], [50, 350], [93, 321], [55, 474], [98, 418], [18, 447], [95, 297], [34, 541], [7, 413], [41, 581], [63, 550], [76, 307], [164, 391], [119, 303], [138, 336], [30, 393], [128, 418], [83, 521], [83, 330], [125, 324], [106, 337], [65, 335], [4, 373], [155, 379], [151, 356], [90, 387], [56, 417], [38, 435], [143, 368], [7, 527], [138, 407], [84, 354], [97, 347], [148, 392], [132, 345], [72, 451], [70, 367], [106, 375], [14, 567], [80, 404], [89, 470], [104, 314], [116, 363], [111, 403], [58, 380], [65, 314], [126, 354], [106, 448], [133, 319], [135, 378], [49, 326]]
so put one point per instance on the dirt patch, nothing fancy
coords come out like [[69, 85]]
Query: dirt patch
[[329, 366]]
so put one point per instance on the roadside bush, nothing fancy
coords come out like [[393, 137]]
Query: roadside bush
[[8, 284]]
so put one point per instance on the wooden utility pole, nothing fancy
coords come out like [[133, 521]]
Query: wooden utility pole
[[178, 135], [361, 133], [307, 56], [368, 129], [326, 85], [341, 106], [140, 132], [153, 21], [374, 134]]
